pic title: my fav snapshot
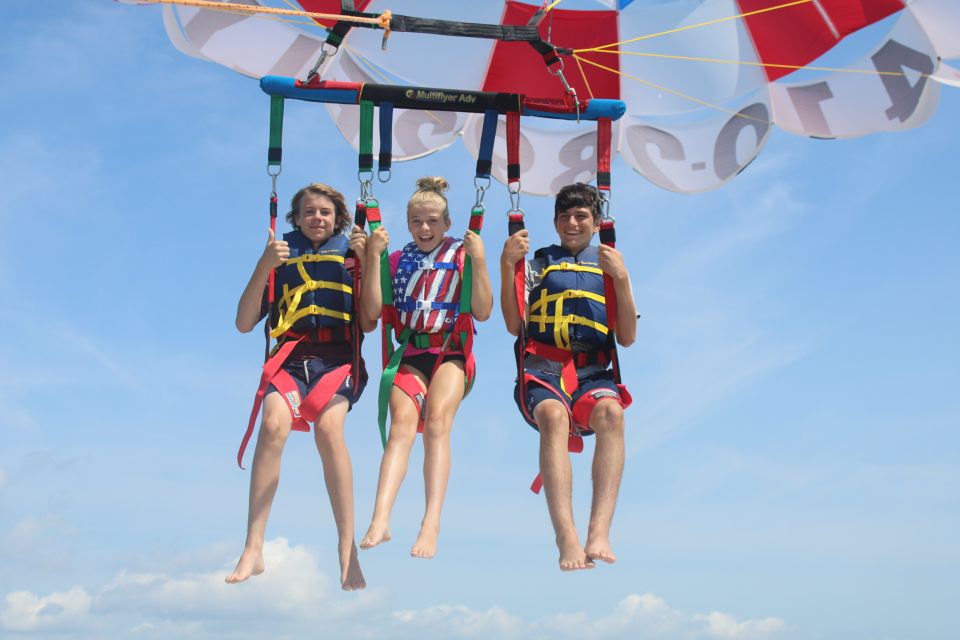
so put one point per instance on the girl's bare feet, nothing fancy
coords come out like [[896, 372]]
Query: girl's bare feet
[[249, 564], [376, 534], [426, 544], [351, 577]]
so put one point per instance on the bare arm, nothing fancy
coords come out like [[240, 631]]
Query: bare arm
[[481, 300], [514, 250], [248, 309], [611, 261], [371, 298]]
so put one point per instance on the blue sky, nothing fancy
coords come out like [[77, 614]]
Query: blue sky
[[792, 468]]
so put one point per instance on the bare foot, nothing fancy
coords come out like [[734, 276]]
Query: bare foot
[[572, 556], [375, 535], [351, 577], [426, 544], [249, 564], [598, 548]]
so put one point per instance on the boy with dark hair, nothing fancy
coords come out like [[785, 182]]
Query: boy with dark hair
[[566, 386]]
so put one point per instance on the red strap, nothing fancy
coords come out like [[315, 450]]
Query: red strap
[[513, 147], [410, 385], [603, 153], [320, 396], [270, 369], [568, 372]]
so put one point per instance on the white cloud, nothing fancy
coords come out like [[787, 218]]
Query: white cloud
[[293, 585], [458, 621], [723, 625], [646, 615], [3, 479], [294, 594], [24, 611]]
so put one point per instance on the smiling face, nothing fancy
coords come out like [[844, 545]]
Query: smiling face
[[316, 217], [427, 224], [576, 227]]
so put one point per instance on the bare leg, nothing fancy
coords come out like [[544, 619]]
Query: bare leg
[[338, 476], [446, 392], [606, 420], [554, 425], [264, 478], [393, 466]]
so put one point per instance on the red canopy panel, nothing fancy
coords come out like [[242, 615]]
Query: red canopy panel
[[328, 6], [516, 67], [800, 34]]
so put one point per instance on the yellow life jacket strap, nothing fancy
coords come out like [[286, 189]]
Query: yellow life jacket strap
[[290, 319], [561, 322], [571, 266], [546, 298]]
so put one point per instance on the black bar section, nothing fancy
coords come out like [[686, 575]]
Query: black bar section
[[425, 98]]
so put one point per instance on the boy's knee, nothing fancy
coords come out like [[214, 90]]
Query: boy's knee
[[607, 416], [274, 429], [552, 418]]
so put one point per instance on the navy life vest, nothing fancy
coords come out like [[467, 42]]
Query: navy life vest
[[567, 308], [314, 290]]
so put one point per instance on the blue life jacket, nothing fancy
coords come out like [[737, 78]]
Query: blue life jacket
[[313, 289], [568, 308]]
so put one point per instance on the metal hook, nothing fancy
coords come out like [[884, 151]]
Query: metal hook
[[323, 56]]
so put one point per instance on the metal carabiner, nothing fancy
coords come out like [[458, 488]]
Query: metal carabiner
[[323, 56]]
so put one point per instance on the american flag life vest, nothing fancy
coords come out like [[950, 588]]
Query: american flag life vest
[[426, 287]]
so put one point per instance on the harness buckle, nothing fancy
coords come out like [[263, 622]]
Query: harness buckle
[[425, 264]]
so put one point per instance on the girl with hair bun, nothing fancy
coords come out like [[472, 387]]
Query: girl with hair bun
[[436, 369]]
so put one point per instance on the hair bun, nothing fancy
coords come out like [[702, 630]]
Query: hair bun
[[433, 183]]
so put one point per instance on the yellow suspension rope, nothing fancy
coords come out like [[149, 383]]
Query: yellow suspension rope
[[679, 94], [771, 65], [695, 26]]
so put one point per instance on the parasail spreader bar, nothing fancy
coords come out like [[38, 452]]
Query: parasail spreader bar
[[432, 99]]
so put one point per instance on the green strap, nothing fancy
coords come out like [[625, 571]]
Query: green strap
[[366, 136], [466, 280], [276, 131], [386, 380]]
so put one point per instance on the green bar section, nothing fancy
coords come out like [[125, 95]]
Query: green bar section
[[276, 130], [366, 135]]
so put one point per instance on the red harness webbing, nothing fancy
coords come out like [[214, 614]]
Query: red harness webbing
[[309, 407]]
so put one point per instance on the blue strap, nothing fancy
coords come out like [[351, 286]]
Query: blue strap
[[487, 137], [411, 304], [424, 264], [386, 136]]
